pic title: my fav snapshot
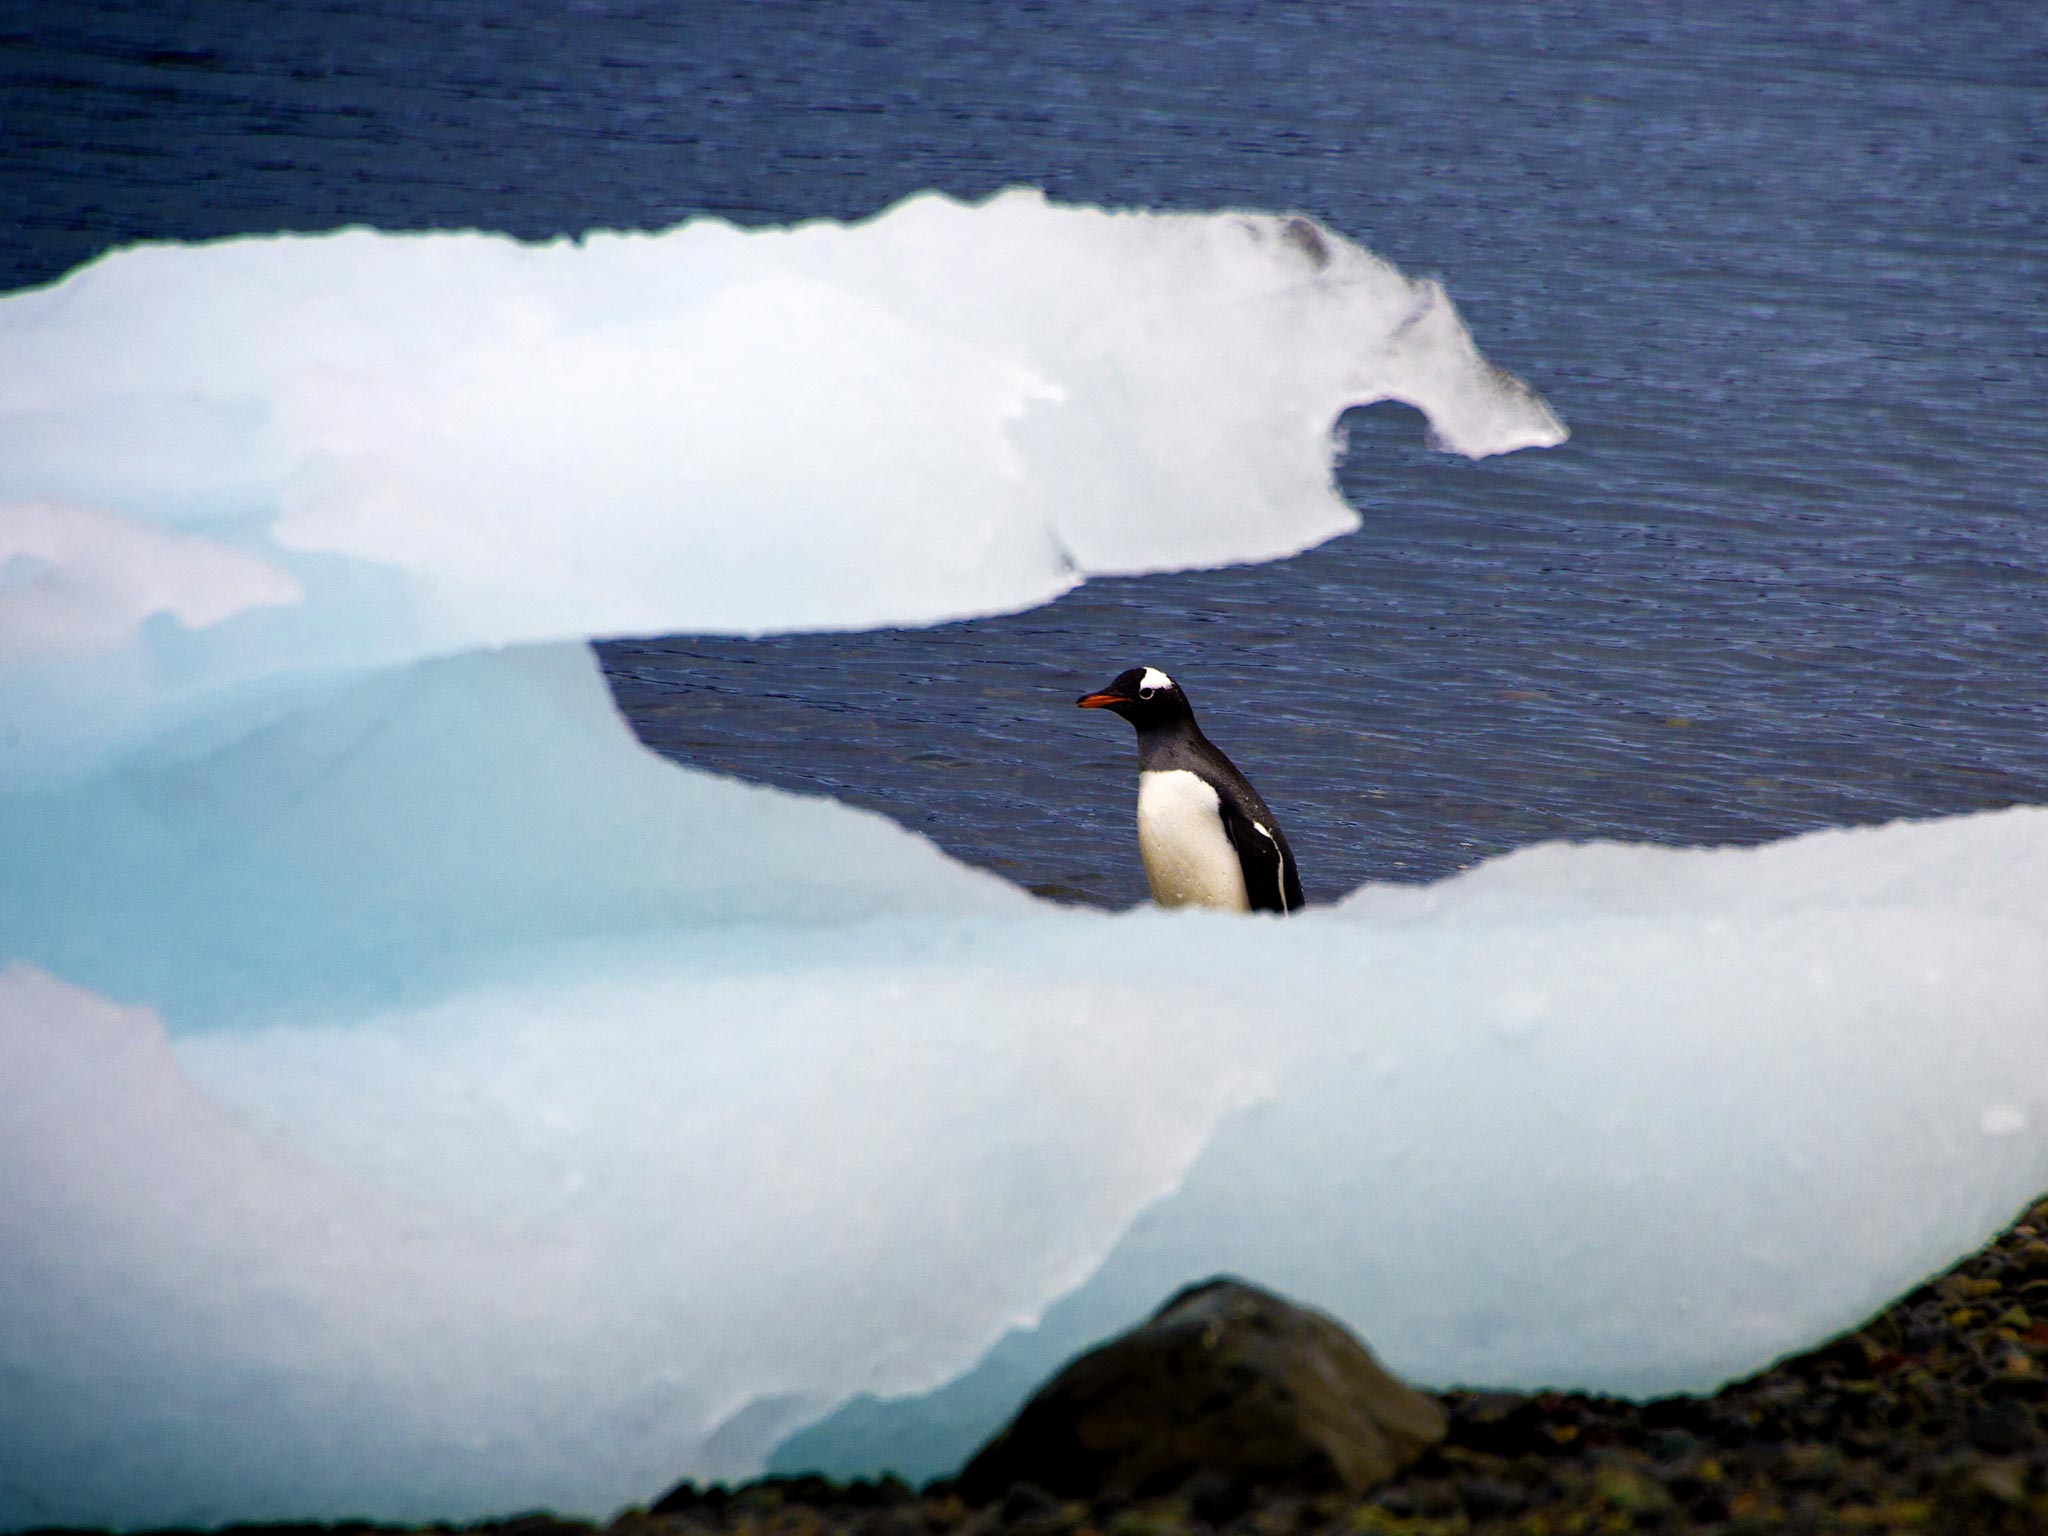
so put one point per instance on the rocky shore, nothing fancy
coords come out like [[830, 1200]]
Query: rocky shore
[[1932, 1417]]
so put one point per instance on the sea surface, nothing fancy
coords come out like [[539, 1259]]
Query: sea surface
[[1783, 270]]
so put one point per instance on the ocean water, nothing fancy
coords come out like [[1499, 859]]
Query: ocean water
[[1782, 271]]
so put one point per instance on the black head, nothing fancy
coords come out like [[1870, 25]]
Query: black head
[[1145, 696]]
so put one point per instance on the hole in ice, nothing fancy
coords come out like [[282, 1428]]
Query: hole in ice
[[1376, 428]]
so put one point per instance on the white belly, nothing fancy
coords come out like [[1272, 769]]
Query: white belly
[[1187, 854]]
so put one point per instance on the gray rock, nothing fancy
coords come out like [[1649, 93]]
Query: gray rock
[[1227, 1381]]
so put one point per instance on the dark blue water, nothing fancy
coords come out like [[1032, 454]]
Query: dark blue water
[[1781, 268]]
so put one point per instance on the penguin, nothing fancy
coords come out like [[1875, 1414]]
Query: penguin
[[1206, 837]]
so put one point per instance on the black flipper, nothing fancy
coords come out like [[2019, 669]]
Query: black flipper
[[1271, 881]]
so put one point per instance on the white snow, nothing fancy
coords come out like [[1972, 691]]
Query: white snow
[[422, 1102]]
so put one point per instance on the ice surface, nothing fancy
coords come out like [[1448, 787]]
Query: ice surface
[[459, 440], [556, 1227], [397, 834], [422, 1102], [1630, 1119], [456, 1207]]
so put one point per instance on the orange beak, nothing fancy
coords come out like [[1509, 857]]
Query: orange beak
[[1100, 700]]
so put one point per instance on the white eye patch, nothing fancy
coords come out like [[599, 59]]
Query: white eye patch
[[1152, 682]]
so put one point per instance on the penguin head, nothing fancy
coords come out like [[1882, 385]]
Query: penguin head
[[1145, 696]]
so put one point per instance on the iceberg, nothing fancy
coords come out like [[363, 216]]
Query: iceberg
[[423, 1102], [458, 441]]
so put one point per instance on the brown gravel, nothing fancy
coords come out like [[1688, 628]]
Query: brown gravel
[[1928, 1419]]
